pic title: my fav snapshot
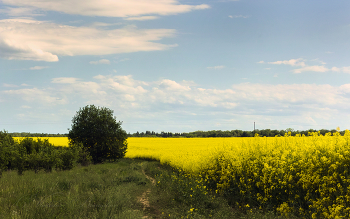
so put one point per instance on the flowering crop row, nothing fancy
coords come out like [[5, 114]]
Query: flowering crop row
[[307, 176]]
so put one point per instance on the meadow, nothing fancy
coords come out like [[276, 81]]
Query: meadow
[[304, 176]]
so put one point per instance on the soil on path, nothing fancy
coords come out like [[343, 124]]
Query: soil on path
[[144, 198]]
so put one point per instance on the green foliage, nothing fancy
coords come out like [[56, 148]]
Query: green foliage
[[84, 158], [100, 134], [30, 154], [6, 142]]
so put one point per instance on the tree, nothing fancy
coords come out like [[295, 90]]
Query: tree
[[99, 132]]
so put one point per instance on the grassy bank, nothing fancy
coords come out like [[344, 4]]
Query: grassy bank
[[113, 190]]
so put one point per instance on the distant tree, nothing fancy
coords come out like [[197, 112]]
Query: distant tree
[[99, 132]]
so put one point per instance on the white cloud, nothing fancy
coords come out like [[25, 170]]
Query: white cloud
[[43, 41], [102, 61], [238, 16], [315, 68], [35, 95], [219, 67], [292, 62], [107, 8], [38, 67], [319, 61], [346, 69], [141, 18], [9, 85], [64, 80], [20, 12], [261, 62], [335, 69], [321, 68], [307, 68], [178, 101], [173, 86]]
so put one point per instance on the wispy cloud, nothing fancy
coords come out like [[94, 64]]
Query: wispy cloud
[[64, 80], [219, 67], [292, 62], [256, 98], [309, 68], [106, 8], [168, 99], [38, 67], [346, 69], [319, 61], [261, 62], [121, 60], [314, 68], [21, 12], [141, 18], [9, 85], [102, 61], [44, 41], [238, 16]]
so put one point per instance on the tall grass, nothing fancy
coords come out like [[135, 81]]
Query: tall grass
[[97, 191]]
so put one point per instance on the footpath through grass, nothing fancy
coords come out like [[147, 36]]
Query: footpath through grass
[[112, 190]]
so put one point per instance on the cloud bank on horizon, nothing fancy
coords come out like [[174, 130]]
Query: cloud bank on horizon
[[170, 65]]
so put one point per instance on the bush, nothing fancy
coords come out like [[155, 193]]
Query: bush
[[84, 157], [99, 133], [29, 154], [67, 158], [6, 142]]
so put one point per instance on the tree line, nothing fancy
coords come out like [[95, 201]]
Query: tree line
[[28, 134], [232, 133]]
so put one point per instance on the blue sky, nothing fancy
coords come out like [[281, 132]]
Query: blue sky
[[179, 66]]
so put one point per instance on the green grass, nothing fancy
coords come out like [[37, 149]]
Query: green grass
[[97, 191], [113, 190]]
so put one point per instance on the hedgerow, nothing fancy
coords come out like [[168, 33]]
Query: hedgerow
[[36, 155]]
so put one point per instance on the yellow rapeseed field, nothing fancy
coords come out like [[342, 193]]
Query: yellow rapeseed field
[[57, 141], [307, 175]]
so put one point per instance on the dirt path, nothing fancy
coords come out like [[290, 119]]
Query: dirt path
[[144, 197]]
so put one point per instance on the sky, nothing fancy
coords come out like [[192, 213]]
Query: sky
[[175, 66]]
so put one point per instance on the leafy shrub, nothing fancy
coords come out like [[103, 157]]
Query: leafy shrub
[[6, 143], [67, 158], [30, 154]]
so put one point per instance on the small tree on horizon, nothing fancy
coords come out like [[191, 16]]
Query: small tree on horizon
[[99, 132]]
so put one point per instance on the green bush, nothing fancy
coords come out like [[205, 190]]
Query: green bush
[[36, 155], [6, 143], [66, 158]]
